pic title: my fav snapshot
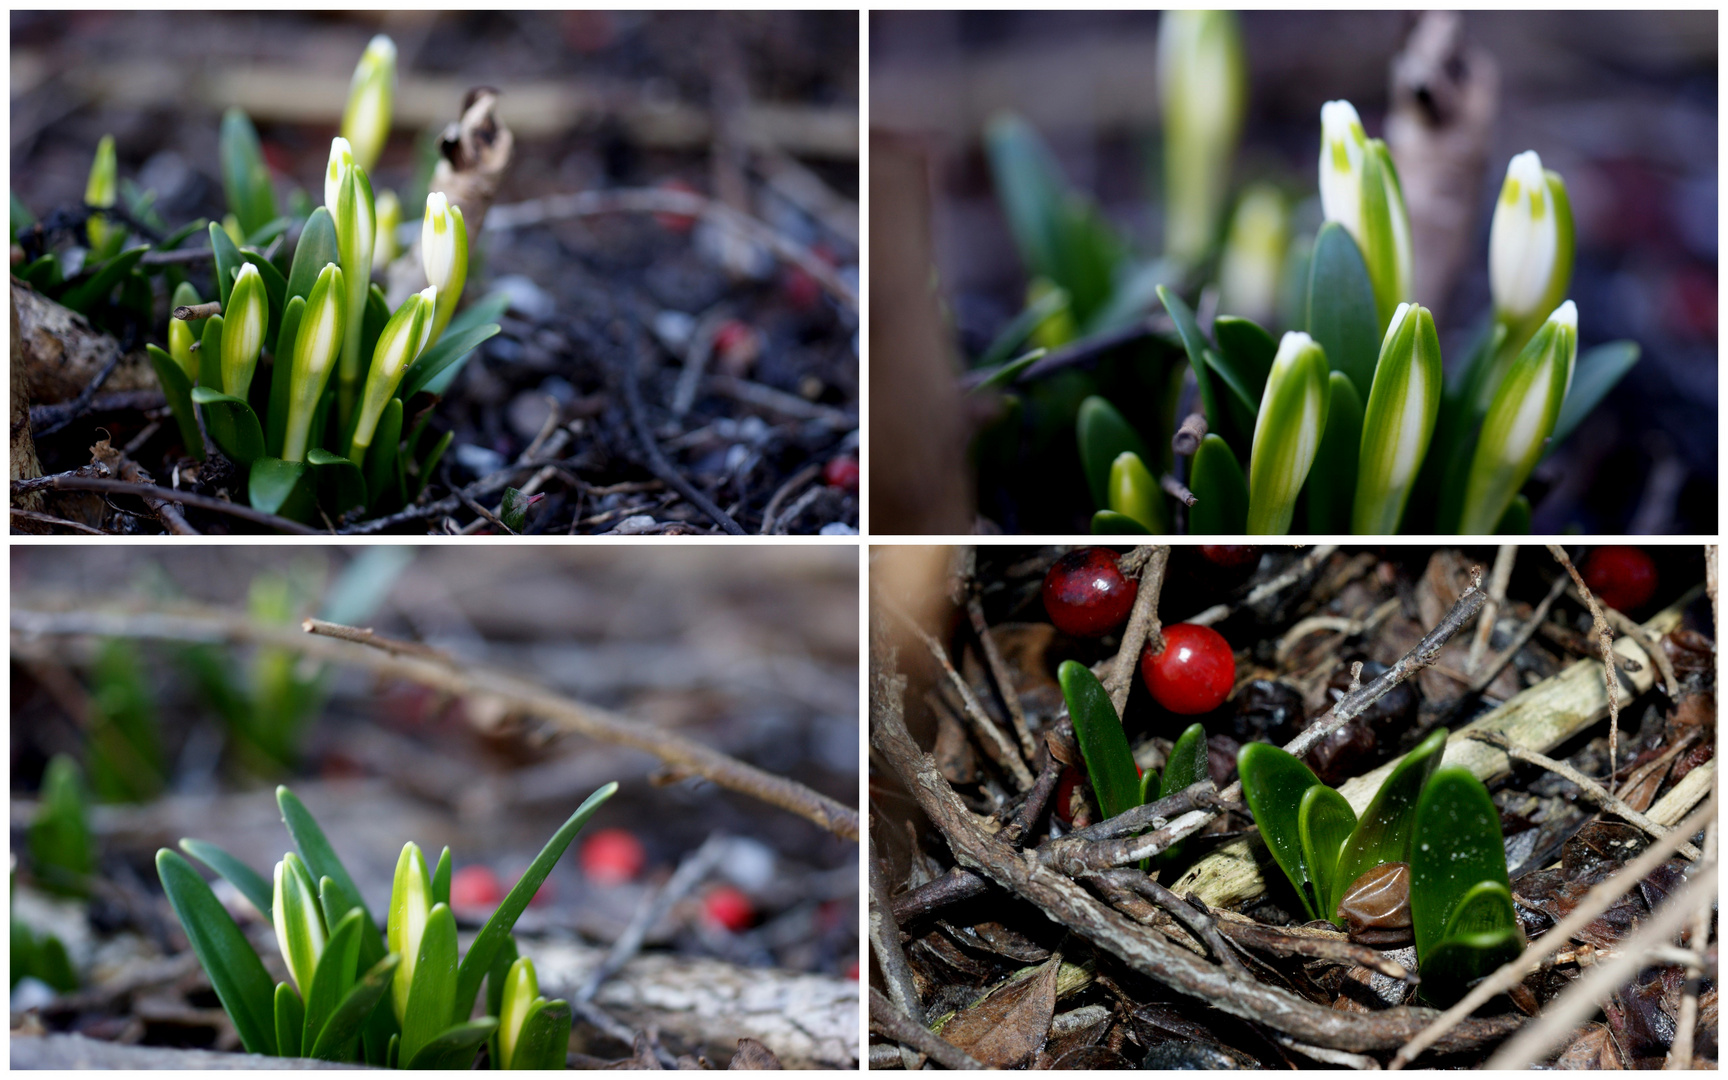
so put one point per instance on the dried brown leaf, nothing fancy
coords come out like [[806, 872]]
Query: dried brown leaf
[[1010, 1024], [753, 1055]]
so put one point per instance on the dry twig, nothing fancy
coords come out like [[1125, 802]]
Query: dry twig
[[1143, 629], [1004, 678], [1610, 678], [888, 1021], [1498, 579]]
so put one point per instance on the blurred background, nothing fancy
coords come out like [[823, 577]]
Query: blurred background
[[758, 110], [1622, 104], [753, 652]]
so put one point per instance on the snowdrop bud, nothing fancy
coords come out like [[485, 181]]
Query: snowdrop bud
[[1287, 433], [243, 330], [316, 346], [341, 156], [366, 121], [1201, 87], [410, 908], [300, 931], [1254, 254], [1519, 421], [99, 191], [1399, 420], [1359, 189], [384, 249], [1530, 243], [520, 989], [444, 255], [399, 344]]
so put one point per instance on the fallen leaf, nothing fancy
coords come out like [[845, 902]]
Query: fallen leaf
[[753, 1055], [1592, 1049], [1008, 1025]]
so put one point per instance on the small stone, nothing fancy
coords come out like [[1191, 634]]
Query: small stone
[[674, 328], [837, 528], [477, 459], [635, 525], [526, 298]]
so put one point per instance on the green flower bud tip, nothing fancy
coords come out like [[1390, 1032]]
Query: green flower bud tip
[[1530, 243], [1398, 421], [399, 345], [243, 330], [316, 346], [1520, 420], [300, 932], [180, 347], [100, 190], [410, 908], [1287, 433], [1201, 89], [1359, 189], [366, 121], [341, 156], [444, 255], [520, 989], [389, 219]]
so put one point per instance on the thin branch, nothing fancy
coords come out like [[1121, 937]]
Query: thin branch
[[889, 1022], [1595, 792], [683, 754], [189, 312], [58, 416], [1004, 678], [367, 636], [1199, 923], [654, 458], [1177, 490], [890, 957], [1480, 681], [1610, 677], [951, 888], [67, 482], [1628, 627], [50, 519], [1685, 1025], [1600, 897], [1189, 434], [692, 870], [1497, 582], [1143, 626], [1296, 571], [1316, 944]]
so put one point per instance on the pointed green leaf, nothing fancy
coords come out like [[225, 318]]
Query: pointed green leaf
[[351, 1015], [496, 976], [441, 879], [1148, 786], [451, 347], [340, 485], [290, 1018], [282, 377], [1212, 401], [1332, 480], [1274, 783], [1187, 764], [1458, 845], [1233, 392], [1482, 935], [1104, 435], [424, 471], [381, 457], [245, 179], [1020, 327], [1221, 490], [284, 488], [1288, 433], [545, 1039], [260, 237], [44, 273], [82, 296], [1341, 312], [1103, 745], [377, 317], [453, 1048], [1134, 493], [334, 976], [1516, 520], [1247, 350], [315, 249], [1110, 523], [177, 389], [228, 260], [431, 1000], [1387, 826], [1008, 372], [497, 928], [233, 425], [321, 860], [1596, 373], [59, 837], [235, 971], [252, 885], [331, 902], [1324, 822]]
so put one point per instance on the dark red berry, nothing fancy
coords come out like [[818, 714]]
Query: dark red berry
[[1194, 672], [475, 888], [852, 971], [729, 908], [1087, 594], [1231, 556], [842, 473], [612, 857], [1062, 803], [1621, 577]]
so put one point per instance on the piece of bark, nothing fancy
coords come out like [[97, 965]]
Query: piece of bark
[[79, 1052], [25, 465], [61, 352], [1445, 94], [753, 1055]]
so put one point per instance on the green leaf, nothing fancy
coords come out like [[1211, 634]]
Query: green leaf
[[1020, 328], [82, 296], [178, 390], [1516, 520], [1274, 783], [315, 249], [340, 485], [1457, 847], [282, 377], [260, 237], [60, 847], [1387, 826], [1332, 480], [432, 998], [334, 976], [331, 901], [1453, 965], [1220, 488], [1187, 765], [377, 317], [497, 928], [290, 1018], [544, 1042], [228, 261], [45, 273], [488, 310], [1109, 760], [381, 457], [210, 354], [453, 346], [235, 971], [178, 236], [1007, 373], [454, 1048], [496, 976], [233, 425], [1247, 350], [251, 884], [1324, 822], [1593, 376], [423, 473], [441, 879], [351, 1015], [1242, 409], [1110, 523], [275, 291], [284, 488], [1399, 421], [321, 860], [1104, 434], [1134, 493], [245, 179], [1211, 393], [1341, 312]]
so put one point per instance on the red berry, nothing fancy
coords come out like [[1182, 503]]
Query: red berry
[[1087, 594], [736, 347], [841, 472], [1621, 577], [1195, 671], [802, 291], [852, 971], [727, 907], [1231, 556], [612, 857], [475, 888], [1062, 803]]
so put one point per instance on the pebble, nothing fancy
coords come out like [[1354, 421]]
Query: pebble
[[749, 864], [477, 459], [635, 525], [526, 297], [837, 528], [674, 328]]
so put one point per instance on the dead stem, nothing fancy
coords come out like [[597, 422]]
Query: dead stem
[[1143, 627], [1004, 679], [1498, 579], [1610, 679], [890, 957]]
